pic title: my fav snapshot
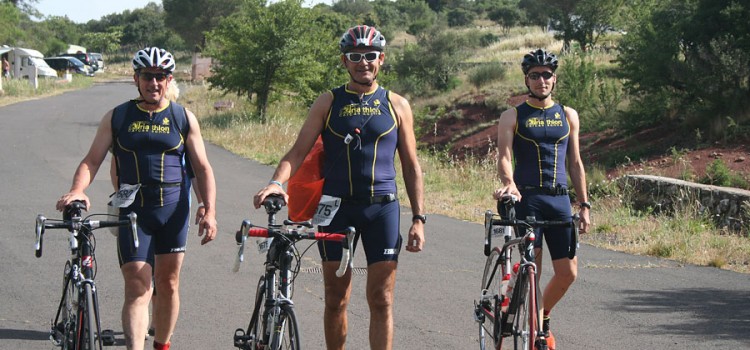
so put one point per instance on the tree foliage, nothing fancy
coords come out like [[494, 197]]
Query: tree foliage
[[192, 18], [268, 50], [694, 55]]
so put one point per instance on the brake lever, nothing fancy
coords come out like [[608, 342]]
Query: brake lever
[[40, 219], [134, 228], [346, 256], [241, 240]]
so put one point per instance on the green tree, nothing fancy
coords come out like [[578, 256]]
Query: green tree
[[10, 16], [269, 50], [506, 13], [693, 56], [192, 18], [103, 42], [444, 51]]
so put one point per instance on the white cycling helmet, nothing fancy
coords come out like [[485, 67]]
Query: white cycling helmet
[[153, 57]]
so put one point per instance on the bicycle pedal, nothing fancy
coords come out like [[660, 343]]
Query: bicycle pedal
[[240, 338], [108, 337]]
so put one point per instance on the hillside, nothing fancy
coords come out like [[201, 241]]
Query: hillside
[[657, 151]]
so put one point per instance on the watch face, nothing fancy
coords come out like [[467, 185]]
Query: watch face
[[421, 218]]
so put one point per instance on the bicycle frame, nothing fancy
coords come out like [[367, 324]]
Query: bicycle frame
[[267, 328], [77, 324], [524, 300]]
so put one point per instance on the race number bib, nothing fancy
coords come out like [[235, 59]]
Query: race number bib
[[327, 208], [125, 196]]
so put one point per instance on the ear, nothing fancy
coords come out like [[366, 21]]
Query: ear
[[343, 60], [135, 78]]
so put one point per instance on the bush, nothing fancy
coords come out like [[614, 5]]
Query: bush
[[487, 73]]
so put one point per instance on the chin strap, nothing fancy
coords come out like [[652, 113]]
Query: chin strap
[[540, 98]]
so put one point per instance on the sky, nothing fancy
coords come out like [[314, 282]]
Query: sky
[[82, 11]]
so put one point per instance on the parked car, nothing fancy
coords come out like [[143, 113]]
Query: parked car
[[99, 59], [63, 64], [85, 58]]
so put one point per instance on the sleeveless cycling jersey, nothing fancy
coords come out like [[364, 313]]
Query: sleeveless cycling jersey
[[540, 145], [149, 148], [359, 142]]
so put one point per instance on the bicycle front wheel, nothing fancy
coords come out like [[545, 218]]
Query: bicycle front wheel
[[488, 312], [87, 332], [525, 323], [286, 335]]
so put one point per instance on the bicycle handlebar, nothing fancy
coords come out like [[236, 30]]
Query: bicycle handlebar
[[74, 223], [291, 232], [507, 202]]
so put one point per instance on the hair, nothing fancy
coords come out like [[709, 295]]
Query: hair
[[173, 91]]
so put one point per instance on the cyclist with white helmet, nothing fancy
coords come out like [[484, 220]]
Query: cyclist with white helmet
[[150, 136], [362, 126], [541, 136]]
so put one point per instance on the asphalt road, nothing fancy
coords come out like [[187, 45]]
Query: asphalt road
[[619, 301]]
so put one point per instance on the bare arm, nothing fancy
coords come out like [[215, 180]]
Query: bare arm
[[575, 167], [90, 164], [291, 161], [506, 128], [412, 171], [204, 176]]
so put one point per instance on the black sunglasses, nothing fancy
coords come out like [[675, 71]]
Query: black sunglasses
[[355, 57], [149, 76], [536, 76]]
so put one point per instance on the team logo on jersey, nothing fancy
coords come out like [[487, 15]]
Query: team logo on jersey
[[557, 115], [165, 121], [376, 103]]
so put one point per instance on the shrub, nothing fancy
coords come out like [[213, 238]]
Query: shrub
[[487, 73]]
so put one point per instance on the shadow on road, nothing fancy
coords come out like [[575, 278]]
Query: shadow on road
[[715, 313], [23, 334]]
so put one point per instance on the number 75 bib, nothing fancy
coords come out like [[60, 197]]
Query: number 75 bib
[[327, 208]]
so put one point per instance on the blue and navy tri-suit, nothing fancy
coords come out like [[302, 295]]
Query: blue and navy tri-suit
[[540, 146], [149, 148], [359, 141]]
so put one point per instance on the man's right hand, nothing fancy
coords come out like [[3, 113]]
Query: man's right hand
[[267, 191], [69, 198]]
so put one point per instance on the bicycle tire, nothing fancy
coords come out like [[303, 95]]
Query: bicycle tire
[[87, 317], [525, 322], [286, 335], [254, 328], [491, 282], [67, 324]]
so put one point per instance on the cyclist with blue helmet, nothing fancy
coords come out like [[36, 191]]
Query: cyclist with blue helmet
[[541, 136]]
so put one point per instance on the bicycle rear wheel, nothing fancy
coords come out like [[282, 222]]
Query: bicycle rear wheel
[[488, 313], [525, 323], [286, 334], [87, 332]]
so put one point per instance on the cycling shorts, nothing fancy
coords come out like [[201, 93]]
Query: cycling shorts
[[161, 230], [377, 226], [548, 207]]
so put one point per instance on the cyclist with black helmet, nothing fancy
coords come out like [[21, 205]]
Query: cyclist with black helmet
[[150, 137], [541, 136], [362, 126]]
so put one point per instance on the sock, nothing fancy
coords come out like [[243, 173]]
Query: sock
[[160, 346]]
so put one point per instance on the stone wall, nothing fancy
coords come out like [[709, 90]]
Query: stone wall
[[729, 206]]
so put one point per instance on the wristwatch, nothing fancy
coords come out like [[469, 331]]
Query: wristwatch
[[422, 218], [586, 205]]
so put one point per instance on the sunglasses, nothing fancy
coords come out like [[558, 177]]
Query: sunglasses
[[355, 57], [536, 76], [150, 76]]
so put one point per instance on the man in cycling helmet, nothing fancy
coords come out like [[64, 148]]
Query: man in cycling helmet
[[542, 137], [362, 126], [150, 137]]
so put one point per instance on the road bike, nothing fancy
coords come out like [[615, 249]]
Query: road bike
[[76, 325], [509, 302], [273, 324]]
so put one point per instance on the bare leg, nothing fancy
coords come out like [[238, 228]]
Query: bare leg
[[337, 293], [167, 305], [381, 280], [566, 271], [137, 276]]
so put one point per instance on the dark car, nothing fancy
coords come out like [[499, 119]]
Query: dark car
[[63, 64], [85, 58]]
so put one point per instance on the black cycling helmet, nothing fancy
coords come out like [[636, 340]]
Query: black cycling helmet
[[362, 36], [538, 58]]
